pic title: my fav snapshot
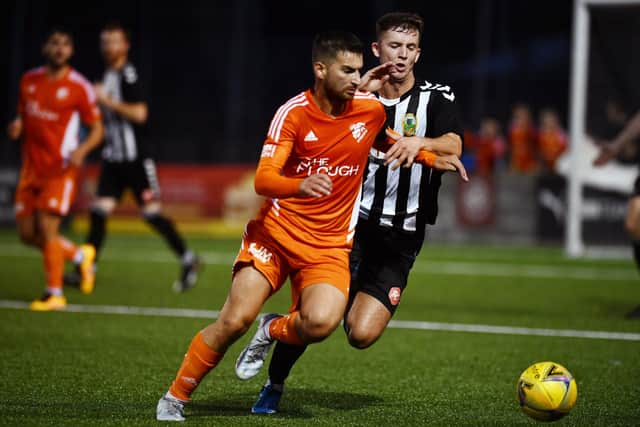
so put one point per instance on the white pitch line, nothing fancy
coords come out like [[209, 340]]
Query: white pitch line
[[451, 268], [396, 324]]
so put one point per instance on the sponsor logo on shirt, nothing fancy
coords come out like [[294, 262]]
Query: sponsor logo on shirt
[[268, 150], [310, 166], [261, 253], [33, 109]]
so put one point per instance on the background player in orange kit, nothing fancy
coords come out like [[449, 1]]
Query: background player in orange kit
[[53, 100], [311, 169]]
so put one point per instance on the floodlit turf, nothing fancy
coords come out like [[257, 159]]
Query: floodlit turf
[[108, 369]]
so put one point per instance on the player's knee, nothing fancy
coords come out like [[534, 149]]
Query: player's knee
[[151, 210], [236, 325], [361, 338], [317, 326], [103, 206]]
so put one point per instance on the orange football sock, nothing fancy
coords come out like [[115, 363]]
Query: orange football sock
[[69, 249], [197, 363], [53, 263], [283, 329]]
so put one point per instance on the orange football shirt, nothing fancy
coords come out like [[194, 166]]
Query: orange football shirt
[[51, 112], [303, 140]]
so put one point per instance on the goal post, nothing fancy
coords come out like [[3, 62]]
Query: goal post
[[574, 243]]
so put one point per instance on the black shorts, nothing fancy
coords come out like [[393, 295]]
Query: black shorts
[[636, 187], [380, 262], [139, 176]]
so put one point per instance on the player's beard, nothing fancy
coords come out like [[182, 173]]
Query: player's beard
[[55, 64]]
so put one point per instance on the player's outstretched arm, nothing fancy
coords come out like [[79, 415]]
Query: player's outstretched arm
[[137, 112], [411, 153], [610, 150], [452, 163], [406, 148]]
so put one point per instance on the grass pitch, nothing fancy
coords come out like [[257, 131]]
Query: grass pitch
[[84, 368]]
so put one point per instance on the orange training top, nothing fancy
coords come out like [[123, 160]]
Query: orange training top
[[51, 112], [303, 140]]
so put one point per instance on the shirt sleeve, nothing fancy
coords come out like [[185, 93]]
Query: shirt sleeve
[[446, 117], [133, 90], [269, 180], [89, 111]]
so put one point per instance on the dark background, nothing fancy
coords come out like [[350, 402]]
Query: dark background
[[217, 71]]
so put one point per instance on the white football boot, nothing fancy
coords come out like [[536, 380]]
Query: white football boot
[[254, 354], [170, 409]]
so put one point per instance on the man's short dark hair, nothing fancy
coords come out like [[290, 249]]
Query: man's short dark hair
[[58, 29], [403, 21], [327, 44], [117, 26]]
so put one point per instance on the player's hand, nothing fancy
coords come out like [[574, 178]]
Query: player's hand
[[15, 129], [403, 151], [375, 78], [608, 152], [317, 185], [451, 162], [101, 93], [76, 158]]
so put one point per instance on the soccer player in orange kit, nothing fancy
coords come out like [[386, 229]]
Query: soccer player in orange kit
[[53, 100], [311, 169]]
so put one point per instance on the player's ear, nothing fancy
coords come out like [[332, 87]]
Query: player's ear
[[375, 48], [319, 70], [417, 55]]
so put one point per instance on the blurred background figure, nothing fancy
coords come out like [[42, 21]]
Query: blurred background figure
[[552, 139], [489, 147], [522, 140]]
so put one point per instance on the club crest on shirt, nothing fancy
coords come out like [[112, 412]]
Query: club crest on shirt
[[358, 131], [409, 124], [62, 93]]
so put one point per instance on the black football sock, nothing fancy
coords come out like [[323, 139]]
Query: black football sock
[[97, 229], [283, 359], [636, 252], [166, 228]]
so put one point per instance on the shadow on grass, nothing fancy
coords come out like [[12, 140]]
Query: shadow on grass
[[296, 403]]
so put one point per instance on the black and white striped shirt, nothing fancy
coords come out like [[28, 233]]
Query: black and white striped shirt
[[123, 138], [406, 198]]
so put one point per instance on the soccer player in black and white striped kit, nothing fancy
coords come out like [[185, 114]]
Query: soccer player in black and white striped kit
[[125, 160], [399, 197]]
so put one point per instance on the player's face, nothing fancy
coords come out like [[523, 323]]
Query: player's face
[[114, 45], [343, 75], [401, 47], [58, 50]]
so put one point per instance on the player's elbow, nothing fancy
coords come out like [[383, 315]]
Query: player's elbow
[[260, 186], [141, 114]]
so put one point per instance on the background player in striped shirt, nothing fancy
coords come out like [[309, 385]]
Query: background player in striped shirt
[[53, 100], [397, 203], [126, 161]]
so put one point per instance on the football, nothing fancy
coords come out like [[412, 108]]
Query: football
[[547, 391]]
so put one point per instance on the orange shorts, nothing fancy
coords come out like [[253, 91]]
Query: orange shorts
[[304, 264], [53, 194]]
